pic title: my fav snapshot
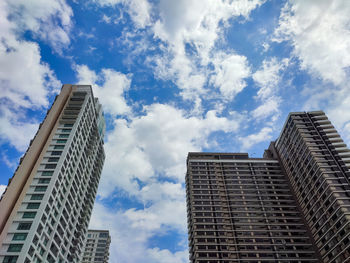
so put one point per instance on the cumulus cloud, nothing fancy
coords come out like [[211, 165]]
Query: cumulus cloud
[[112, 92], [268, 79], [16, 129], [229, 73], [50, 20], [263, 135], [319, 32], [190, 30], [131, 230], [156, 143], [25, 80]]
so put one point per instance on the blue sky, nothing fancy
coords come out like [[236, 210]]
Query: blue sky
[[173, 77]]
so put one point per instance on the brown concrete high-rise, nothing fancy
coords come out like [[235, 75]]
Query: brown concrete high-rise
[[317, 162], [290, 206]]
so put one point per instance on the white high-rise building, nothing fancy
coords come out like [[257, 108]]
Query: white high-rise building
[[46, 208]]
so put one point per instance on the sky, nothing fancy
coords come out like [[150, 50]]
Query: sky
[[173, 77]]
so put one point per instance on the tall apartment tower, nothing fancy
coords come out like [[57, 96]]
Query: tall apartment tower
[[316, 162], [96, 248], [46, 207], [290, 206], [241, 209]]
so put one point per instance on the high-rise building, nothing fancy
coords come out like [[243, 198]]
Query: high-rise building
[[290, 206], [241, 209], [317, 161], [96, 248], [47, 204]]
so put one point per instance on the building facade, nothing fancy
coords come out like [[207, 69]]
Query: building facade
[[46, 207], [290, 206], [317, 161], [241, 209], [96, 247]]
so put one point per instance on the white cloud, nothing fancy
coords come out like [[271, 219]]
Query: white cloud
[[16, 130], [229, 73], [165, 256], [131, 230], [138, 10], [319, 32], [156, 143], [50, 19], [112, 92], [268, 79], [25, 80], [263, 135], [190, 30], [2, 189]]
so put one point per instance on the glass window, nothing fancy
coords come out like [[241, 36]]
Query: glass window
[[66, 130], [44, 180], [61, 141], [63, 136], [50, 166], [56, 152], [40, 188], [15, 248], [29, 214], [10, 259], [33, 205], [53, 159], [47, 173], [59, 147], [20, 236], [24, 226], [37, 197], [103, 234], [68, 125]]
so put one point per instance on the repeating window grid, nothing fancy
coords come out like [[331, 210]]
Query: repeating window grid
[[328, 196], [187, 180], [44, 162]]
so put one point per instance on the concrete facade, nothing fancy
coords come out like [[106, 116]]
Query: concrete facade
[[293, 205], [46, 207], [317, 162], [241, 209]]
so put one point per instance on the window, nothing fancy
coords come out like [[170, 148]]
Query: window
[[61, 141], [44, 180], [56, 152], [37, 197], [10, 259], [29, 214], [19, 236], [63, 136], [40, 188], [53, 159], [15, 248], [66, 130], [50, 166], [47, 173], [68, 125], [33, 205], [56, 147], [24, 226]]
